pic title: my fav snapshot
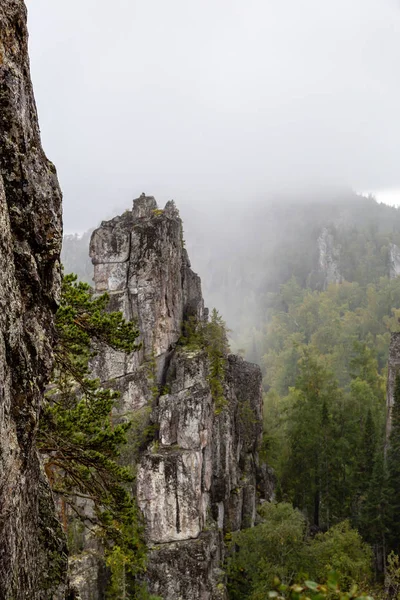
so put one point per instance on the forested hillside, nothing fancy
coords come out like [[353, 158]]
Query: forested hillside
[[310, 291], [245, 251], [322, 339]]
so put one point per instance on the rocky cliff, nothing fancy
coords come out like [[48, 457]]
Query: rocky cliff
[[393, 370], [394, 261], [328, 258], [32, 547], [197, 478]]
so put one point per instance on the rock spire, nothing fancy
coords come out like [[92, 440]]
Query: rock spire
[[199, 476]]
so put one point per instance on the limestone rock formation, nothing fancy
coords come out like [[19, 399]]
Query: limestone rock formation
[[394, 261], [32, 547], [393, 370], [197, 479], [328, 260]]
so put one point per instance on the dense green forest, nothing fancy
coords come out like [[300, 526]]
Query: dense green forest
[[323, 350]]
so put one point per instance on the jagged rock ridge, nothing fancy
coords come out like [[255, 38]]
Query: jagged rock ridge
[[32, 547], [198, 478]]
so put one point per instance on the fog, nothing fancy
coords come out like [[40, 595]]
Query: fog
[[214, 100]]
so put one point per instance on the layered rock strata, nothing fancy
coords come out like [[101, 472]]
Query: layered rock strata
[[32, 548], [197, 479]]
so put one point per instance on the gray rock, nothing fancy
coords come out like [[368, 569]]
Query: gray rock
[[110, 243], [328, 260], [393, 371], [188, 569], [111, 277], [197, 479], [89, 575], [169, 494], [394, 261], [33, 559]]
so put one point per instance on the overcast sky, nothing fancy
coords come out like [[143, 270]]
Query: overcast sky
[[195, 99]]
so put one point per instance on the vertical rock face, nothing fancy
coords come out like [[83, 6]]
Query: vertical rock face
[[329, 256], [394, 261], [197, 480], [393, 370], [32, 548]]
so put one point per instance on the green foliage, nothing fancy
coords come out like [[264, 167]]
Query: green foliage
[[393, 470], [83, 321], [324, 354], [392, 576], [374, 509], [157, 212], [212, 338], [78, 438], [246, 422], [340, 549], [126, 557], [140, 433], [311, 590], [192, 338], [380, 522], [272, 548], [330, 323], [216, 343], [325, 406], [312, 432], [280, 547]]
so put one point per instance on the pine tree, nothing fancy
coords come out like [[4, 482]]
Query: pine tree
[[213, 338], [393, 468], [77, 437], [310, 473], [373, 522], [368, 448], [216, 345]]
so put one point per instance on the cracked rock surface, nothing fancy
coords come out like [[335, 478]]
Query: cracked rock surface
[[33, 558], [199, 477]]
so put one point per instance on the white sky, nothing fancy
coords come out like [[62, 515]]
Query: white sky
[[215, 98], [388, 196]]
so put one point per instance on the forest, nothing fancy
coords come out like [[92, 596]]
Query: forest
[[323, 350], [199, 400]]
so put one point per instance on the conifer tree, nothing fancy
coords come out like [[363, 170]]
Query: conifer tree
[[77, 437], [373, 521], [308, 477], [393, 468], [368, 448]]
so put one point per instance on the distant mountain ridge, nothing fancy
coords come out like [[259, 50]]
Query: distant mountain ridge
[[244, 252]]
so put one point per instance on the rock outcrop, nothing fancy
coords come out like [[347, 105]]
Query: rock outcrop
[[197, 478], [394, 261], [328, 258], [393, 370], [32, 547]]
